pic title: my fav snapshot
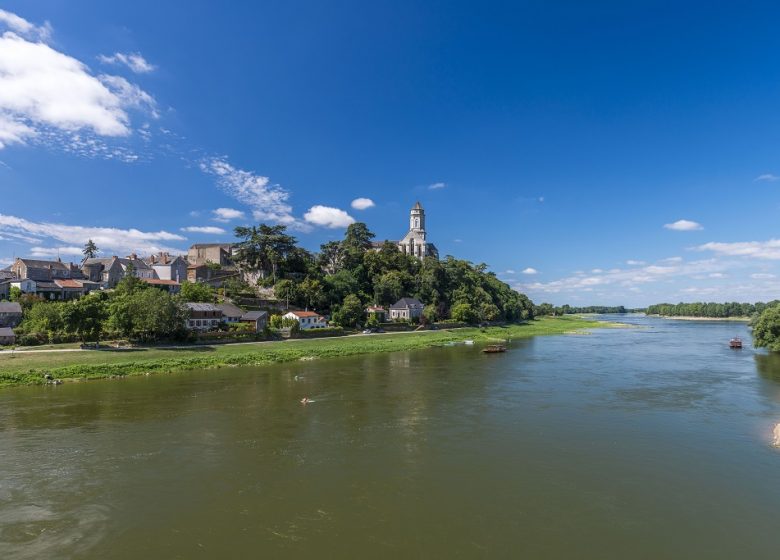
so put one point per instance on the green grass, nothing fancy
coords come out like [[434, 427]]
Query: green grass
[[28, 368]]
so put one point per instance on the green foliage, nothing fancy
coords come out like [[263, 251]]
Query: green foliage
[[44, 317], [766, 330], [263, 248], [281, 322], [197, 292], [85, 317], [710, 310], [463, 313], [148, 315], [350, 313], [15, 293], [130, 283], [430, 314], [286, 290]]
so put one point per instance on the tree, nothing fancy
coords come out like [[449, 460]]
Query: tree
[[263, 248], [286, 290], [331, 257], [148, 315], [85, 317], [90, 250], [15, 293], [766, 331], [350, 313], [390, 287], [311, 292], [44, 317], [196, 292], [463, 313], [130, 283], [430, 313], [358, 236]]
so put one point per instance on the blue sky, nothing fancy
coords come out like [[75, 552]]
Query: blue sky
[[610, 153]]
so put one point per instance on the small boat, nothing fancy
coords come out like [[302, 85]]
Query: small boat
[[494, 349], [468, 342], [735, 342]]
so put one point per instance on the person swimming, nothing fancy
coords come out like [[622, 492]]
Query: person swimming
[[305, 400]]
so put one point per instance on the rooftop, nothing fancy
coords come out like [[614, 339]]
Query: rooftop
[[403, 303], [230, 310], [202, 307], [305, 314], [10, 307], [252, 315], [5, 331]]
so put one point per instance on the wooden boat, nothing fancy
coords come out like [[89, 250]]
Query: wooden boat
[[735, 342], [494, 349]]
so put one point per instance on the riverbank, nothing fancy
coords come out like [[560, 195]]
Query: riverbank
[[29, 368], [690, 318]]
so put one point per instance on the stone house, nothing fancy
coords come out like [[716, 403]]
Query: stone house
[[203, 316], [167, 267], [307, 319], [379, 312], [7, 336], [10, 314], [258, 319], [170, 286], [73, 289], [27, 285], [36, 269], [109, 271], [406, 309], [216, 253]]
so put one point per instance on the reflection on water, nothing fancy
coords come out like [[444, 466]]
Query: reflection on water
[[642, 443]]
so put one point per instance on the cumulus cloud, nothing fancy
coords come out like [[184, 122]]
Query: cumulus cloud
[[55, 251], [362, 203], [437, 186], [328, 217], [204, 229], [530, 270], [227, 214], [48, 95], [134, 61], [762, 276], [122, 241], [632, 262], [768, 177], [24, 28], [684, 225], [763, 250], [267, 201]]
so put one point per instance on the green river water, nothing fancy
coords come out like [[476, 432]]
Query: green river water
[[651, 442]]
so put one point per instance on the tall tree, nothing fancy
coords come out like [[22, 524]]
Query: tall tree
[[90, 250], [263, 248]]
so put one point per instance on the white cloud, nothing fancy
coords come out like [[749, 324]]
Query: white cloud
[[437, 186], [48, 95], [194, 213], [762, 276], [121, 241], [362, 203], [509, 271], [328, 217], [134, 61], [227, 214], [530, 270], [23, 27], [684, 225], [632, 262], [767, 177], [55, 251], [596, 271], [204, 229], [717, 275], [267, 201], [764, 250]]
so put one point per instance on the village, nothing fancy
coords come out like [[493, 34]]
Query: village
[[227, 303]]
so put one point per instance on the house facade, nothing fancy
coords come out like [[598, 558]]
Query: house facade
[[10, 314], [231, 313], [307, 319], [26, 285], [406, 309], [216, 253], [5, 290], [258, 320], [379, 312], [203, 316], [109, 271], [7, 336], [167, 267], [36, 269]]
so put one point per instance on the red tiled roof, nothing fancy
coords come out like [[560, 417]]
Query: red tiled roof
[[68, 283], [305, 314]]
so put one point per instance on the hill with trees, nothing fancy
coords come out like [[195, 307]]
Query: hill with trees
[[709, 310]]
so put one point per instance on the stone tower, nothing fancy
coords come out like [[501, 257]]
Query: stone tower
[[415, 242]]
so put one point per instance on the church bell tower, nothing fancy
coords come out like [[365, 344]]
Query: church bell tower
[[417, 219]]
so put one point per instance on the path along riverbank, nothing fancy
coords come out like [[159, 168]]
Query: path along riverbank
[[30, 368]]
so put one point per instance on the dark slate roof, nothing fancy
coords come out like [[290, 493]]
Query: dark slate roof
[[230, 310], [10, 307], [5, 331], [202, 306], [403, 303], [48, 286], [252, 315], [34, 263]]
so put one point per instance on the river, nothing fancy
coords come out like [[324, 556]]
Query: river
[[648, 442]]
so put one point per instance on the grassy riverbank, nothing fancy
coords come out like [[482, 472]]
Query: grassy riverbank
[[28, 367]]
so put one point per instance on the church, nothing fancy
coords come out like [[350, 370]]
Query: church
[[415, 242]]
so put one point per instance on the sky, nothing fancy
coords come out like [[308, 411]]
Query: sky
[[610, 153]]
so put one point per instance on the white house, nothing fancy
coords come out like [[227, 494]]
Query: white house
[[27, 285], [307, 319]]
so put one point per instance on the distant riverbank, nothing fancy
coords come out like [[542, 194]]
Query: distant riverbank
[[29, 368], [690, 318]]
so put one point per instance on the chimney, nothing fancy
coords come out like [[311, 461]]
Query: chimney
[[133, 256]]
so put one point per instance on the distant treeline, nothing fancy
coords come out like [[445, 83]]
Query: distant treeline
[[714, 310], [550, 309]]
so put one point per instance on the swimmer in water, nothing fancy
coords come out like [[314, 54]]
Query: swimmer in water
[[305, 400]]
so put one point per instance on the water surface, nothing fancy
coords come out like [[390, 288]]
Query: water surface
[[640, 443]]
